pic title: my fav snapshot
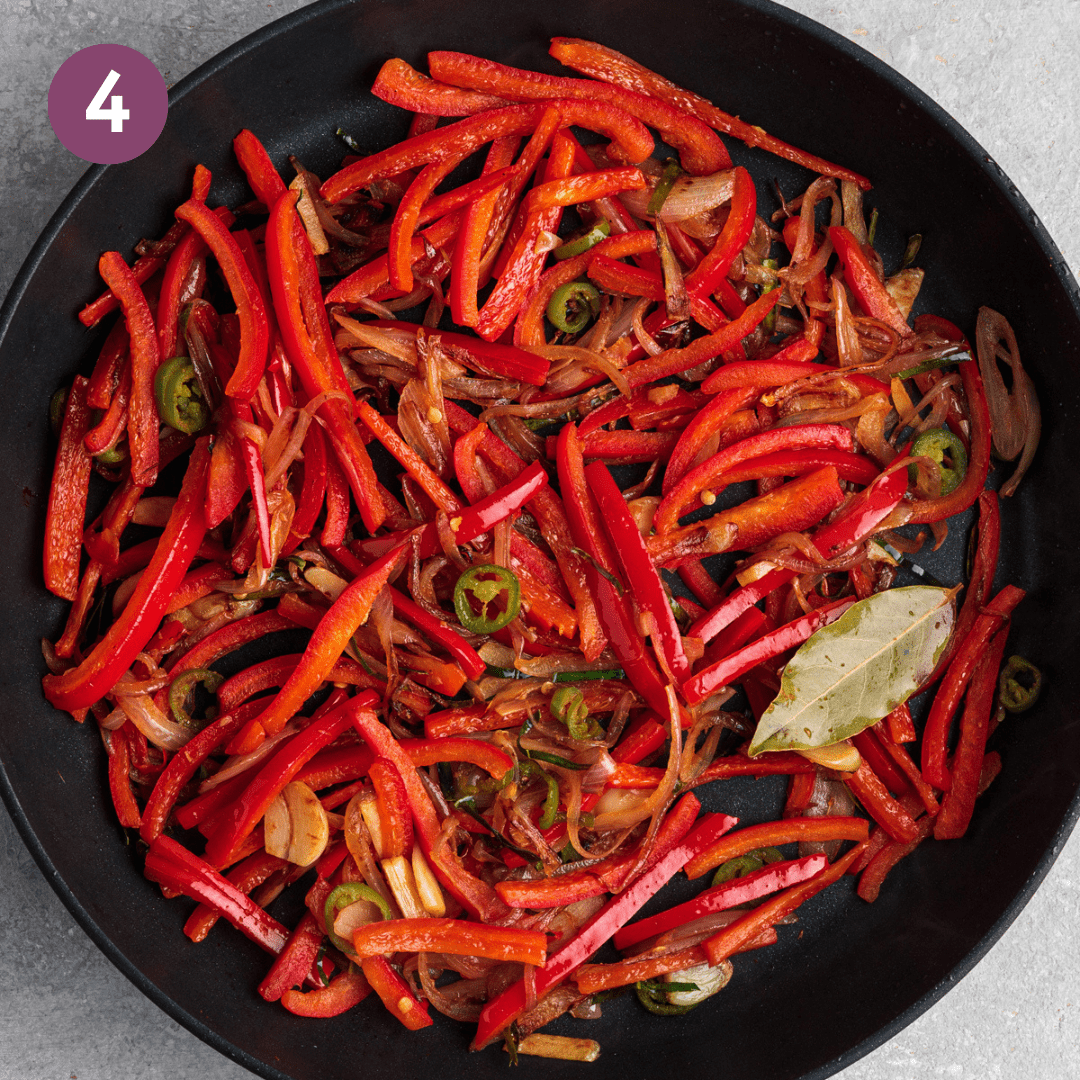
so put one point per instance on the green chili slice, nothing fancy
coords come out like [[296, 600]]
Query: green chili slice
[[573, 306], [551, 801], [1019, 684], [476, 598], [179, 399], [948, 451], [57, 408], [656, 1002], [749, 863], [671, 173], [912, 249], [871, 232], [932, 365], [342, 897], [181, 688], [572, 248], [568, 706]]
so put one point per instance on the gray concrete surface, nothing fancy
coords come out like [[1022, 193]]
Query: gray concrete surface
[[1009, 71]]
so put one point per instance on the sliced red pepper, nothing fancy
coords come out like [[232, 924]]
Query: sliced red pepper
[[250, 308], [867, 511], [631, 140], [394, 993], [711, 475], [878, 866], [289, 265], [780, 763], [171, 865], [880, 805], [312, 490], [81, 686], [502, 1011], [868, 288], [262, 177], [114, 423], [737, 935], [705, 277], [722, 897], [774, 833], [789, 636], [638, 569], [394, 813], [123, 798], [699, 148], [610, 66], [145, 358], [67, 496], [346, 989], [293, 965], [935, 747], [401, 84]]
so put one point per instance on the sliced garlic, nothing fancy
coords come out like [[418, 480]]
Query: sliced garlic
[[295, 825]]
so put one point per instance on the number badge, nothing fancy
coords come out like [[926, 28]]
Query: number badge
[[108, 103]]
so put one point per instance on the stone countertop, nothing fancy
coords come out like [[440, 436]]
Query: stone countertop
[[1009, 72]]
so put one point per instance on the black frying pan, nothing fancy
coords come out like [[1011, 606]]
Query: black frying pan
[[856, 974]]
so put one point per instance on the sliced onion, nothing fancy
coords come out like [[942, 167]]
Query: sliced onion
[[689, 196], [142, 711]]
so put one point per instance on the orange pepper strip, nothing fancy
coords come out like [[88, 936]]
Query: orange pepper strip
[[345, 990], [454, 936], [394, 992], [347, 614], [774, 833]]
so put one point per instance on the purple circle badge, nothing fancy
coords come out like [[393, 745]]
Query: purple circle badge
[[108, 103]]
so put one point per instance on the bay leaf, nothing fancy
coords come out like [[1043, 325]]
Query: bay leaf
[[850, 674]]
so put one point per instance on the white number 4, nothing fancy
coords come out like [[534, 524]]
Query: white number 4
[[116, 111]]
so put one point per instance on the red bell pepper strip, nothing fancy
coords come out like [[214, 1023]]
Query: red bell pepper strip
[[290, 263], [643, 739], [676, 361], [730, 894], [283, 765], [106, 373], [183, 765], [488, 357], [883, 860], [81, 686], [789, 636], [866, 512], [502, 1011], [706, 422], [255, 870], [262, 177], [710, 474], [867, 787], [394, 993], [734, 937], [875, 755], [230, 637], [293, 965], [901, 725], [312, 490], [250, 308], [253, 467], [617, 277], [638, 569], [780, 763], [545, 893], [424, 752], [610, 66], [145, 358], [346, 989], [113, 424], [958, 804], [327, 643], [406, 218], [415, 465], [704, 279], [774, 833], [337, 505], [453, 936], [67, 496], [955, 680], [523, 264], [864, 282], [760, 374], [700, 150], [797, 505], [401, 84], [394, 813], [631, 141], [439, 632], [171, 865], [898, 753], [123, 798]]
